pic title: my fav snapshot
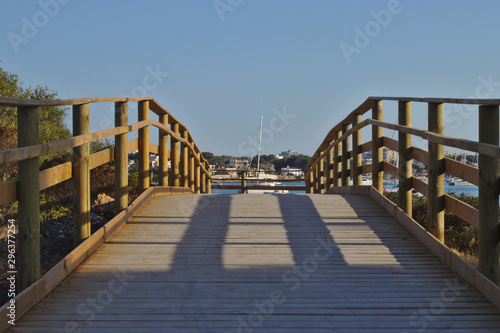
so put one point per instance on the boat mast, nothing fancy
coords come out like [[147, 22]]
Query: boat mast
[[260, 142]]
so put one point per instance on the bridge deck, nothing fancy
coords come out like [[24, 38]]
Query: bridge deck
[[262, 263]]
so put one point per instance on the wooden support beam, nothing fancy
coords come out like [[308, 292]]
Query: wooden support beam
[[191, 172], [143, 166], [489, 230], [81, 177], [197, 176], [329, 170], [163, 152], [436, 167], [174, 156], [203, 183], [321, 183], [337, 150], [121, 158], [405, 159], [209, 180], [310, 183], [28, 197], [356, 152], [316, 178], [377, 148], [244, 182], [346, 154], [185, 160]]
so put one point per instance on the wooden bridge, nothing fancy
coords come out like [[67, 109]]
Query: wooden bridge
[[339, 257]]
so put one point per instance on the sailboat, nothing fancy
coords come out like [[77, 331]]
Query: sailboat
[[258, 169]]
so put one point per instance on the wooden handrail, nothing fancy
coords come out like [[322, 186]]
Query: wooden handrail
[[31, 180], [485, 218]]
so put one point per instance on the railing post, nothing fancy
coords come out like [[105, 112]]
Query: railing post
[[321, 184], [143, 147], [209, 182], [405, 159], [174, 157], [198, 175], [377, 148], [28, 199], [336, 156], [489, 236], [121, 158], [329, 169], [185, 160], [356, 152], [81, 177], [244, 182], [316, 178], [163, 152], [191, 172], [203, 182], [310, 182], [435, 195], [346, 154]]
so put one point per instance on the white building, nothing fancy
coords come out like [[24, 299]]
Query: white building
[[294, 171]]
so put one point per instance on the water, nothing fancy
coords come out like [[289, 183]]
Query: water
[[468, 190], [250, 191]]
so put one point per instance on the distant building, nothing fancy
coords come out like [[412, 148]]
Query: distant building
[[289, 153], [236, 163], [267, 167], [278, 157], [294, 171], [154, 161]]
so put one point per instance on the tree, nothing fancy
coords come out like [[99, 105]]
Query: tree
[[52, 125]]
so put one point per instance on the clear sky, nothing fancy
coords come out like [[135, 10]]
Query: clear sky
[[219, 65]]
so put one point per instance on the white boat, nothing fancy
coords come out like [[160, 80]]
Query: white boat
[[270, 191]]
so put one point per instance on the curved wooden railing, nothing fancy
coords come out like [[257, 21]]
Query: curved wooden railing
[[334, 162], [195, 173]]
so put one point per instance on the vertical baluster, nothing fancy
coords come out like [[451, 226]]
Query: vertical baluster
[[405, 159], [346, 154], [121, 158], [329, 169], [143, 147], [435, 195], [28, 195], [488, 195], [377, 149], [197, 174], [163, 152], [336, 157], [356, 152], [174, 156], [185, 160], [81, 177]]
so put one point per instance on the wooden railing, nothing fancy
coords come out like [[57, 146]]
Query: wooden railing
[[195, 174], [334, 162]]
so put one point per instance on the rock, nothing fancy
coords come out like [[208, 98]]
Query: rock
[[104, 206]]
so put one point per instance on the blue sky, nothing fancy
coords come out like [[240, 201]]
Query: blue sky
[[219, 65]]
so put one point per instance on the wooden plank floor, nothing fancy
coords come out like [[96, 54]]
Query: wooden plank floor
[[262, 263]]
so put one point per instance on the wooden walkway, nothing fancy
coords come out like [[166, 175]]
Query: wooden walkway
[[262, 263]]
